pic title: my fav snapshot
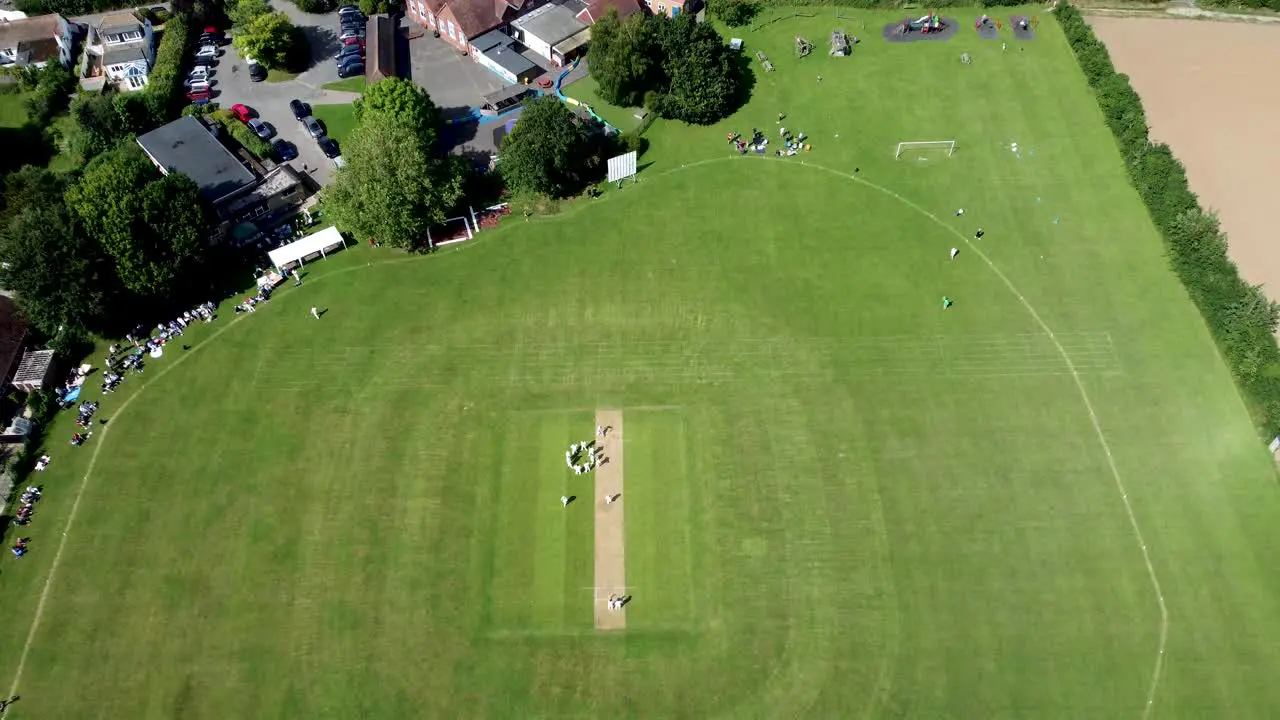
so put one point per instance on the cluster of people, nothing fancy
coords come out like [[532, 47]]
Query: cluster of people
[[78, 439], [574, 454], [87, 409], [617, 601], [759, 144], [29, 498], [264, 294], [20, 547]]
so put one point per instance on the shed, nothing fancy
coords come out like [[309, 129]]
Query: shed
[[34, 372], [497, 52], [545, 28]]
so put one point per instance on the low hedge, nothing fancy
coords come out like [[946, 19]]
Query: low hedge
[[1240, 317], [241, 133], [164, 90]]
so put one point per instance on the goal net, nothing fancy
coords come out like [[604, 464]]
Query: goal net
[[925, 148]]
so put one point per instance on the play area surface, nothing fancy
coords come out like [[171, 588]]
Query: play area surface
[[842, 499]]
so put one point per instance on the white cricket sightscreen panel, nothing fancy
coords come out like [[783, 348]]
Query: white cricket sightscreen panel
[[948, 145], [622, 167]]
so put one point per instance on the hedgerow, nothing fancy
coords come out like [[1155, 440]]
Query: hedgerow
[[1240, 317]]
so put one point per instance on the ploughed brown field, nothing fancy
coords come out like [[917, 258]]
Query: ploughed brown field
[[1209, 91]]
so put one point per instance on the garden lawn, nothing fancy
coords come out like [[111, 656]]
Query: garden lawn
[[841, 499], [351, 84], [338, 120], [13, 111]]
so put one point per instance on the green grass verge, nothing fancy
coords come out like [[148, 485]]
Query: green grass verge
[[841, 500], [13, 111], [278, 75], [339, 120], [351, 84]]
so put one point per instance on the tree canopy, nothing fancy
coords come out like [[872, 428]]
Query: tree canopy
[[152, 228], [243, 12], [550, 151], [677, 67], [404, 103], [53, 268], [390, 188], [268, 39]]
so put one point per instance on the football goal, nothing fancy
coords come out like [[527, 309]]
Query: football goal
[[925, 148]]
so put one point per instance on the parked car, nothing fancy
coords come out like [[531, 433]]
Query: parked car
[[205, 62], [352, 32], [200, 72], [242, 112], [349, 51], [313, 127], [284, 150], [198, 85], [201, 100], [207, 51], [350, 10], [257, 73], [300, 109], [328, 146], [259, 128], [354, 41], [199, 94], [351, 70]]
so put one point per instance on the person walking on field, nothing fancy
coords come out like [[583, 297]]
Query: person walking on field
[[564, 501], [954, 253], [297, 279], [315, 313]]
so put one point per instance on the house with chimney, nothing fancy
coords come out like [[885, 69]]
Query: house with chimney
[[35, 41]]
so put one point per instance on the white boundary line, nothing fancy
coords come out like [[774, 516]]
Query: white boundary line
[[1084, 396]]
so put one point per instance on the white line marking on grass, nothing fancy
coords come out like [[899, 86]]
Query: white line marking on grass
[[93, 460], [1088, 404]]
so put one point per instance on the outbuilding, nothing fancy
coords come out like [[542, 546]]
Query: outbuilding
[[552, 32]]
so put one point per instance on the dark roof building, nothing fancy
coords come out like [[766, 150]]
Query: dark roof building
[[186, 146], [380, 54]]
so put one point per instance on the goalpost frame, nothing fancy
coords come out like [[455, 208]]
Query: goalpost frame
[[948, 145]]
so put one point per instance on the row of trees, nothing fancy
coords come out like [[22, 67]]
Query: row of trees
[[118, 237], [678, 68], [1240, 317]]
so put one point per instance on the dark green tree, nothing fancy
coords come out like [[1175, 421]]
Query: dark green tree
[[390, 187], [54, 269], [702, 84], [405, 103], [734, 13], [550, 151], [98, 125], [624, 58], [151, 227]]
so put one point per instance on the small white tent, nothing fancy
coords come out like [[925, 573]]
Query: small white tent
[[322, 242]]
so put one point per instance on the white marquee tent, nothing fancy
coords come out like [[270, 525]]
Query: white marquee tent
[[320, 243]]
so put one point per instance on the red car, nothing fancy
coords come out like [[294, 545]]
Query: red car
[[242, 112], [212, 30], [199, 95], [354, 41]]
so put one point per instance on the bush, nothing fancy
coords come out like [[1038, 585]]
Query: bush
[[316, 7], [241, 133], [1241, 319], [163, 92], [159, 16], [373, 7], [734, 13]]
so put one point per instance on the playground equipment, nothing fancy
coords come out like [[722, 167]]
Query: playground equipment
[[764, 60], [840, 43], [927, 24], [803, 46]]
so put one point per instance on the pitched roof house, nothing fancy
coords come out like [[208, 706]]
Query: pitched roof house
[[120, 50], [460, 21], [35, 41]]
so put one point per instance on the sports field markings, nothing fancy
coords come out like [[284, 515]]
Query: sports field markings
[[1084, 397], [696, 362], [611, 558]]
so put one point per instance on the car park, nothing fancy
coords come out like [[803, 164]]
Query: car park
[[300, 110], [259, 128], [242, 112], [284, 150], [351, 70], [328, 146], [313, 127]]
